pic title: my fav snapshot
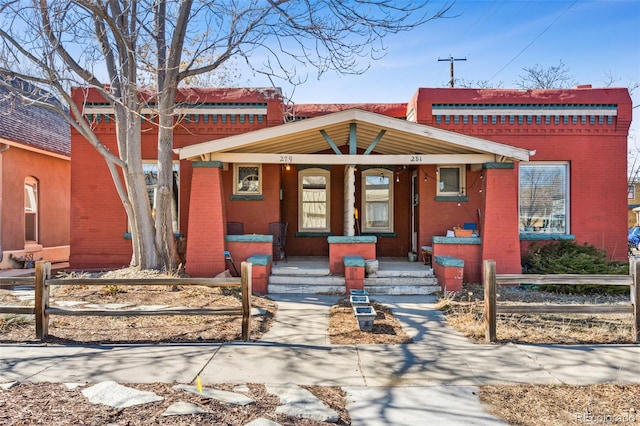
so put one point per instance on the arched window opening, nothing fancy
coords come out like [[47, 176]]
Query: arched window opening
[[31, 210]]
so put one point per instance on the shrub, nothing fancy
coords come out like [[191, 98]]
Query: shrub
[[567, 257]]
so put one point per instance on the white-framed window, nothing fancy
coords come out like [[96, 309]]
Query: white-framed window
[[544, 197], [451, 180], [631, 191], [31, 210], [150, 171], [314, 196], [377, 200], [247, 179]]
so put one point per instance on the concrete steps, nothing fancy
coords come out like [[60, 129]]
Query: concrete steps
[[315, 278], [402, 282]]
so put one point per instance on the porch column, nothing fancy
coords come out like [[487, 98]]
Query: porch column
[[499, 223], [205, 239], [349, 200]]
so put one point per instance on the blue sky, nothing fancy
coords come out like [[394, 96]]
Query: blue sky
[[594, 39]]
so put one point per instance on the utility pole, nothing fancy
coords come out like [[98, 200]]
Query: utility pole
[[451, 59]]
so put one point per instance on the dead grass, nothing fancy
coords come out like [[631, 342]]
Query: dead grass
[[552, 405], [465, 313], [139, 329], [344, 329], [517, 404]]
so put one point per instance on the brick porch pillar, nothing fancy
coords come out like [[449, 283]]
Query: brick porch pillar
[[499, 224], [205, 239]]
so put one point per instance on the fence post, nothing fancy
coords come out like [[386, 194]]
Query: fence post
[[43, 272], [635, 300], [490, 300], [246, 280]]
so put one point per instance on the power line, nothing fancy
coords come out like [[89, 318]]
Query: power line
[[451, 59], [534, 40]]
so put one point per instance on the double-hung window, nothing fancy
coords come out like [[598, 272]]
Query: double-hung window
[[314, 196], [377, 200], [544, 197]]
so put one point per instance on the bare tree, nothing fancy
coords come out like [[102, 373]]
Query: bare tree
[[112, 46], [538, 77], [478, 84]]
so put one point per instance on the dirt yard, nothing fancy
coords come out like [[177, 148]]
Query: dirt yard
[[51, 403], [465, 312]]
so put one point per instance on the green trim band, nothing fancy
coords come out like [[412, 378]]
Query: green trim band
[[449, 261], [313, 234], [544, 236], [362, 239], [249, 238], [381, 234], [457, 240], [486, 166], [260, 259], [236, 197], [207, 164], [452, 198], [357, 261]]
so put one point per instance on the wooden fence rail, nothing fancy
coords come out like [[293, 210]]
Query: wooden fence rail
[[43, 282], [13, 282], [491, 309]]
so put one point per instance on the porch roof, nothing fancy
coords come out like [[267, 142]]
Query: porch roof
[[390, 140]]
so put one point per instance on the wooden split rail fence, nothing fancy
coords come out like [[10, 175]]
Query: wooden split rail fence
[[42, 282], [492, 280]]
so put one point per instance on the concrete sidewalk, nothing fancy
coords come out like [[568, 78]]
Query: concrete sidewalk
[[436, 377]]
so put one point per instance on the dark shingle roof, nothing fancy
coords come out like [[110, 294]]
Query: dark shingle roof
[[32, 125]]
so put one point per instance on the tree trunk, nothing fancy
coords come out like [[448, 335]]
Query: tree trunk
[[145, 253], [164, 238]]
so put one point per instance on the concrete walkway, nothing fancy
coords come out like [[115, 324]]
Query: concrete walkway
[[436, 377]]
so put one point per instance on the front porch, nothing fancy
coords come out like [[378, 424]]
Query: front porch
[[311, 275]]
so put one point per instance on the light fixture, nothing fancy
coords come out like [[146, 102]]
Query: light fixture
[[398, 177], [287, 167]]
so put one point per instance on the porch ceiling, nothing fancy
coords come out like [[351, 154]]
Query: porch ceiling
[[305, 137]]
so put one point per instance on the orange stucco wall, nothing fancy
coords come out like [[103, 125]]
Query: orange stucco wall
[[53, 175]]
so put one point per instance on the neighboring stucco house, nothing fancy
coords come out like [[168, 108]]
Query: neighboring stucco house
[[35, 172], [514, 166]]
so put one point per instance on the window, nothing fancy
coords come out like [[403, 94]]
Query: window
[[31, 210], [377, 199], [451, 180], [544, 202], [631, 192], [247, 178], [313, 193], [150, 171]]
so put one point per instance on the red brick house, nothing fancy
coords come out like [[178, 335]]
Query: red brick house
[[512, 166], [35, 171]]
